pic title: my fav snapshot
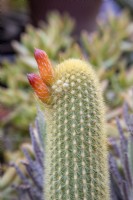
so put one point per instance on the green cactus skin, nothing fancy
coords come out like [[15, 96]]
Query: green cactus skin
[[76, 165]]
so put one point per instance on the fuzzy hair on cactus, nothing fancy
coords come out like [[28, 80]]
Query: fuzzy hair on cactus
[[76, 164]]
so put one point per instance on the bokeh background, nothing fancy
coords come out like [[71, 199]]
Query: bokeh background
[[99, 31]]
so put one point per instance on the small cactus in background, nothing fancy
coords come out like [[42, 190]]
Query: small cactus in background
[[76, 152]]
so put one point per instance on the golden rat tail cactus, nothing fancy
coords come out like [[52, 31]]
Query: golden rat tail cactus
[[76, 153]]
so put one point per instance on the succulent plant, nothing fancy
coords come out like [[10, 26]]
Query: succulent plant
[[121, 161], [75, 147], [31, 186], [47, 36], [112, 59]]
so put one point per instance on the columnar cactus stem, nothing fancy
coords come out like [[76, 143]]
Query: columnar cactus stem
[[76, 152]]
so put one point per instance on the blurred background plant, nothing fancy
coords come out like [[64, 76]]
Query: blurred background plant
[[18, 5], [109, 48], [121, 159], [28, 181]]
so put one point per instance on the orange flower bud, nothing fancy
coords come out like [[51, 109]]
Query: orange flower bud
[[44, 65], [39, 87]]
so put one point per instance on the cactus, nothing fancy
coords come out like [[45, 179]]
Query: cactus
[[76, 153], [121, 158]]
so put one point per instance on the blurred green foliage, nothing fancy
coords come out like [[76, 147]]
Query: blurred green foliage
[[110, 50]]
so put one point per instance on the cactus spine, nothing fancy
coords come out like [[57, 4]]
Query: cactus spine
[[76, 153]]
